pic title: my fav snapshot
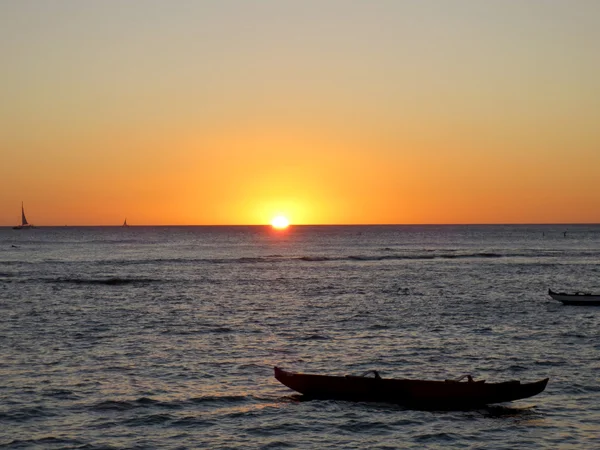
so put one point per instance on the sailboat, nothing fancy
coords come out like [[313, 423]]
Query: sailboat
[[125, 223], [24, 224]]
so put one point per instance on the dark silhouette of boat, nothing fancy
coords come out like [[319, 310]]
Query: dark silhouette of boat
[[24, 224], [125, 223], [576, 298], [418, 394]]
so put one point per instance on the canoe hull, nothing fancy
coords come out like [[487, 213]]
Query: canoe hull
[[575, 299], [422, 394]]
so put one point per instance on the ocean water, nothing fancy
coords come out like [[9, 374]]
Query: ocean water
[[166, 337]]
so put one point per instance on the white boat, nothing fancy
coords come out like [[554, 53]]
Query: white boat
[[575, 298], [24, 224]]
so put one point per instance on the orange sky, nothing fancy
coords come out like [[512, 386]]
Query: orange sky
[[325, 112]]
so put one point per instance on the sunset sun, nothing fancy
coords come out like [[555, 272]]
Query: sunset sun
[[280, 222]]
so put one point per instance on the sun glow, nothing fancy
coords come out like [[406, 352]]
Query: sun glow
[[280, 223]]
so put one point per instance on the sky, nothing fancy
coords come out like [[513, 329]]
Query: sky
[[231, 112]]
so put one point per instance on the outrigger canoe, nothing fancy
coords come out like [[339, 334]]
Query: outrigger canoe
[[576, 298], [420, 394]]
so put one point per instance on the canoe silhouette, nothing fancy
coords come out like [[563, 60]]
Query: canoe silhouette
[[575, 298], [421, 394]]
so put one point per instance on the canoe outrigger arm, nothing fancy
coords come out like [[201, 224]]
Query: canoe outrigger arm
[[374, 372], [376, 375], [467, 376]]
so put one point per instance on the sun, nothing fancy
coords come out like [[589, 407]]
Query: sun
[[280, 223]]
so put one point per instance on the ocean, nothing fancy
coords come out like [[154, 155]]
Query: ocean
[[166, 337]]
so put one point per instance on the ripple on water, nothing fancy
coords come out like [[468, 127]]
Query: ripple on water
[[361, 426], [26, 414], [49, 442], [143, 420]]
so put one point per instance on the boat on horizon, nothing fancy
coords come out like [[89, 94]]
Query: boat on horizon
[[576, 298], [412, 393], [24, 224], [125, 223]]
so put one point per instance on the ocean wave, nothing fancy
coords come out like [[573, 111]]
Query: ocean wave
[[383, 255], [192, 421], [187, 332], [378, 326], [438, 438], [25, 414], [222, 330], [315, 258], [149, 419], [115, 405], [316, 337], [112, 281], [475, 255], [48, 442], [400, 257], [358, 426], [61, 394], [277, 444], [220, 399], [126, 405]]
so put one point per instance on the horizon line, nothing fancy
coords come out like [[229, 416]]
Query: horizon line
[[319, 224]]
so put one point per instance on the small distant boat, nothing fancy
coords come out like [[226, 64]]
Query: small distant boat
[[125, 223], [24, 224], [419, 394], [575, 298]]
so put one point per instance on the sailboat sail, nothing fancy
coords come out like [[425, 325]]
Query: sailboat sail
[[23, 218], [24, 224]]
